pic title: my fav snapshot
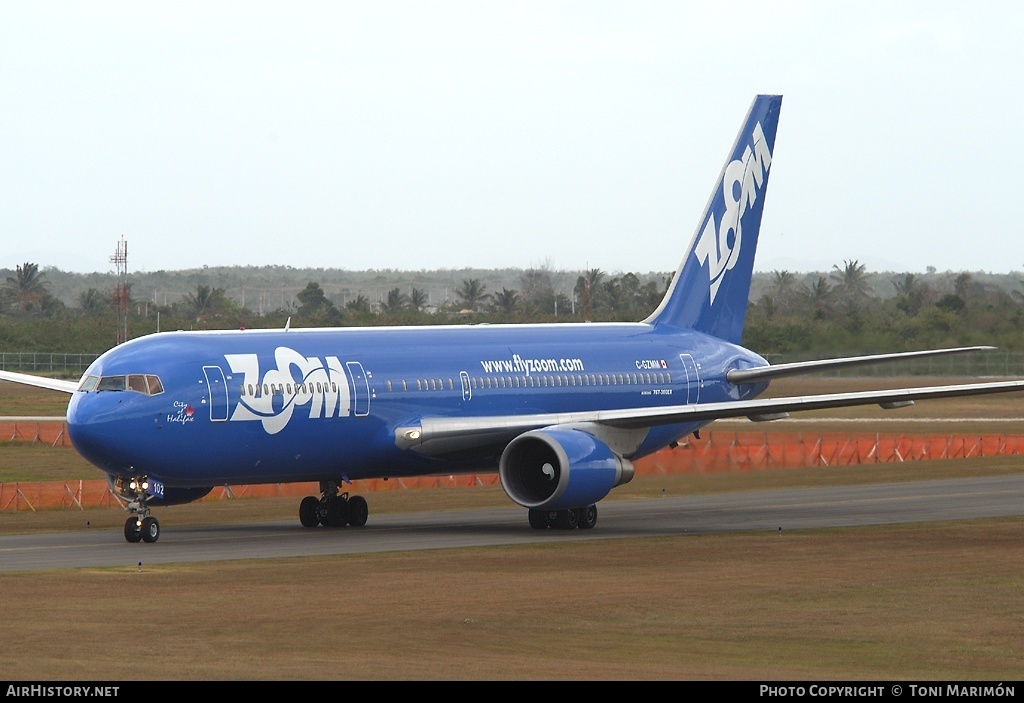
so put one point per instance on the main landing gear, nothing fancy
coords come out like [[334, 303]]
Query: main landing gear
[[583, 518], [333, 509], [141, 526]]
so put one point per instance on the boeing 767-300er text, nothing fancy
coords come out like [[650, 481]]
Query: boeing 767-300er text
[[559, 410]]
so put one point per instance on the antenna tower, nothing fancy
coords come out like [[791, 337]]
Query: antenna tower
[[120, 260]]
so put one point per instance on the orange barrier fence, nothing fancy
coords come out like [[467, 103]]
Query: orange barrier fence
[[40, 431], [744, 451], [714, 451], [41, 495]]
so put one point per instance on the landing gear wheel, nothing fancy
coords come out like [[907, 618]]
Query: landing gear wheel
[[539, 519], [150, 530], [337, 512], [132, 530], [333, 509], [588, 517], [308, 511], [568, 519], [358, 511]]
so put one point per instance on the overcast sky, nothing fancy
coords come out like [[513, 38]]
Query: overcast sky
[[450, 135]]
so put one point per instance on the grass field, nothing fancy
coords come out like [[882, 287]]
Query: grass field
[[911, 602]]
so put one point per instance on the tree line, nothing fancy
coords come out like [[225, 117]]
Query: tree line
[[841, 311], [29, 309]]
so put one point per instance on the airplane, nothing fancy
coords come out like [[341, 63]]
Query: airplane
[[561, 411]]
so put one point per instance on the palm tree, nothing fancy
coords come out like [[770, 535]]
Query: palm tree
[[92, 302], [206, 301], [472, 293], [507, 300], [819, 297], [783, 287], [27, 289], [396, 302], [852, 285], [418, 299], [911, 292], [360, 305]]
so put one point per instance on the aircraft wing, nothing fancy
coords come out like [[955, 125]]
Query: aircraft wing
[[776, 408], [440, 436], [53, 384]]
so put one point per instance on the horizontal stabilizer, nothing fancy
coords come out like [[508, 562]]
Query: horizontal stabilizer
[[762, 373]]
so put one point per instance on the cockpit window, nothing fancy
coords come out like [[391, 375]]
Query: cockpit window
[[155, 386], [139, 383], [111, 383]]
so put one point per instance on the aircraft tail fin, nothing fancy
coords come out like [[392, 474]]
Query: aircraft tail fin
[[710, 289]]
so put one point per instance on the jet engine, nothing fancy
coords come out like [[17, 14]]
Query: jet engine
[[557, 469]]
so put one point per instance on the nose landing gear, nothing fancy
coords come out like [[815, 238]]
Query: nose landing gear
[[141, 526]]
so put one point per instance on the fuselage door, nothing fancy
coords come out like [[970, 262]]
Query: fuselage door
[[360, 388], [217, 388], [692, 379], [467, 389]]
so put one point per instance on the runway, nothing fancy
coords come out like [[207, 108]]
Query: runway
[[672, 516]]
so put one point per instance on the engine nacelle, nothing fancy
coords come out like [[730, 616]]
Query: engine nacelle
[[155, 491], [556, 469]]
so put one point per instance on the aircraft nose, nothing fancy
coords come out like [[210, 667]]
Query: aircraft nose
[[92, 431]]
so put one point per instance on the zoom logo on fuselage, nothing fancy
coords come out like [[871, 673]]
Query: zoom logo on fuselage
[[297, 381], [719, 242]]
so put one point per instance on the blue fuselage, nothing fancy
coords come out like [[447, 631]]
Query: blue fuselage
[[259, 406]]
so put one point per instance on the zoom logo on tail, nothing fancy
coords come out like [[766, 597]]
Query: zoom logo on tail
[[719, 243], [710, 289]]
